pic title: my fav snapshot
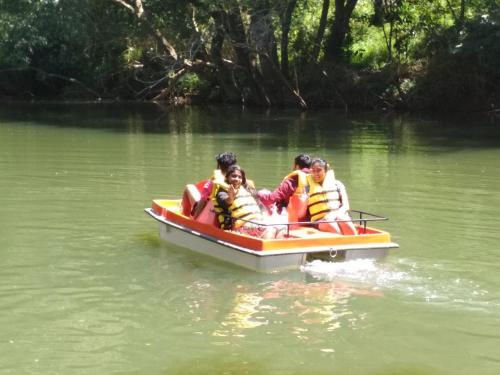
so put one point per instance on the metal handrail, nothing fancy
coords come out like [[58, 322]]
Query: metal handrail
[[364, 220]]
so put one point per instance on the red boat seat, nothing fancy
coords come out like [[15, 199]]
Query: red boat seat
[[191, 199]]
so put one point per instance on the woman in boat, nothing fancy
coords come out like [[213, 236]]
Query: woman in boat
[[327, 203], [237, 208]]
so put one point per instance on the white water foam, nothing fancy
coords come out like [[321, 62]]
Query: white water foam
[[408, 277], [360, 270]]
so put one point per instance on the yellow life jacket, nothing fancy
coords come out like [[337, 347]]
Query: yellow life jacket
[[218, 183], [302, 178], [244, 206], [219, 211], [217, 176], [324, 197]]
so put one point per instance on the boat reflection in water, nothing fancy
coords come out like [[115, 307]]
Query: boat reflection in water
[[314, 304]]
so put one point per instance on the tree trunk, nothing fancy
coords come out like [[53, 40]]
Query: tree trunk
[[462, 12], [339, 29], [286, 20], [262, 36], [244, 56], [321, 31], [225, 76], [388, 38], [460, 17], [198, 49]]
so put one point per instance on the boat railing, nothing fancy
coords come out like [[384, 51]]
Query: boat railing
[[363, 218]]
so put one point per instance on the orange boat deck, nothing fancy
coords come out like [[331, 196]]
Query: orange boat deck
[[303, 237]]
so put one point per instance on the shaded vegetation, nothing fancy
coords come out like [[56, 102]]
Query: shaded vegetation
[[390, 54]]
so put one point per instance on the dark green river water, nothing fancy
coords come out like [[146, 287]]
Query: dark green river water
[[86, 286]]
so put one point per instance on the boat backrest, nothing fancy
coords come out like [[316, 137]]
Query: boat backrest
[[207, 215]]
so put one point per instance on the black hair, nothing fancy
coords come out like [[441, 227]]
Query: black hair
[[303, 161], [236, 167], [323, 164], [225, 160]]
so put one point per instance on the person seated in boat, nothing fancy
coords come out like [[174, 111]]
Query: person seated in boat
[[238, 210], [291, 193], [196, 197], [328, 204]]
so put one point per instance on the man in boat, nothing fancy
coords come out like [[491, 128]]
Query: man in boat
[[292, 192], [238, 210], [195, 197], [327, 203]]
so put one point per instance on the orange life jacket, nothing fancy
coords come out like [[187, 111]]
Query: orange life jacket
[[297, 204]]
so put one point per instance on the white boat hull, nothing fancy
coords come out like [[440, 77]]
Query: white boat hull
[[264, 261]]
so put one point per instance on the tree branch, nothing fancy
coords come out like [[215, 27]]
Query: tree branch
[[138, 9], [125, 4]]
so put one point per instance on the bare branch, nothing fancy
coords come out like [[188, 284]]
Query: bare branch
[[193, 19], [300, 101], [138, 9], [168, 90], [125, 4]]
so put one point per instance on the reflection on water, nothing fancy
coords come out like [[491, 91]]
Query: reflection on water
[[319, 304], [87, 287]]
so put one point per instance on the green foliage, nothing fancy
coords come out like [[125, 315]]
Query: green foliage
[[420, 53], [192, 84], [71, 38], [368, 48], [464, 70], [304, 28]]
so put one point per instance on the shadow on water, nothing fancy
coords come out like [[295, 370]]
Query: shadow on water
[[189, 260], [219, 365], [149, 239], [282, 128], [246, 366]]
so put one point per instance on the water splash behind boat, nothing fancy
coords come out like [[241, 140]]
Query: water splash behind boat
[[414, 279]]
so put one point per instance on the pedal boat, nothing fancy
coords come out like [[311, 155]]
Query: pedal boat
[[300, 245]]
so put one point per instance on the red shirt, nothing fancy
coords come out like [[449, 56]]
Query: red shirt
[[281, 195]]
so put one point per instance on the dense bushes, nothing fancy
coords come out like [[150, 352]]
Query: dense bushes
[[464, 68], [393, 54]]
